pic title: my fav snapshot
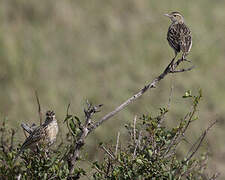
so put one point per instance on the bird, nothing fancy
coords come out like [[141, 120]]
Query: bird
[[179, 35], [46, 134]]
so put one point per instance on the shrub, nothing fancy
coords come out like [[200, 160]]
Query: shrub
[[151, 152]]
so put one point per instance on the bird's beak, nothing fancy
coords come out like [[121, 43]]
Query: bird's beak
[[167, 15]]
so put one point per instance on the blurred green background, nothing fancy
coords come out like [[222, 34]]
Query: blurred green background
[[105, 51]]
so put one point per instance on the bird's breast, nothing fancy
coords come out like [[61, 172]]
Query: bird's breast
[[52, 131]]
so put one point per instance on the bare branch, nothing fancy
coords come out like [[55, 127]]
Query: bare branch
[[138, 142], [90, 111], [180, 133], [39, 107], [3, 135], [117, 143], [199, 142], [183, 70], [108, 167], [108, 152], [134, 128], [215, 176], [169, 69], [171, 94], [67, 110], [88, 127], [12, 139]]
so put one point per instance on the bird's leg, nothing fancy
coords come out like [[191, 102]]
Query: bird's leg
[[175, 55], [172, 62], [174, 58], [170, 67], [184, 58]]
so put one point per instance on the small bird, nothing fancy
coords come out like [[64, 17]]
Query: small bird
[[44, 134], [179, 35]]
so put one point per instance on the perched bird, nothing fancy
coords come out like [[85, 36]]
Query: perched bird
[[44, 134], [179, 35]]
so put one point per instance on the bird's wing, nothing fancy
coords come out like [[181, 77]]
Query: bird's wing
[[34, 137], [185, 38], [173, 37]]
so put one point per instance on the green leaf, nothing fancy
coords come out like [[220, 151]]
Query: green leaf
[[139, 161], [187, 94]]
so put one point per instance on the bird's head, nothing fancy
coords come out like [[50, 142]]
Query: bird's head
[[50, 115], [175, 17]]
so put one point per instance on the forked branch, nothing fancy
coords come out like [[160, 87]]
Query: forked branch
[[89, 127]]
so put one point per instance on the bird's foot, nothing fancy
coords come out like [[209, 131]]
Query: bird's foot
[[170, 67], [186, 60], [172, 64]]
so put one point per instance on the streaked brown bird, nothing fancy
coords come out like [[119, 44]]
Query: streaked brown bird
[[44, 134], [179, 35]]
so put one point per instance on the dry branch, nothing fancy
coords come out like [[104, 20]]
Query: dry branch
[[39, 107], [197, 144], [117, 143], [171, 68], [89, 127]]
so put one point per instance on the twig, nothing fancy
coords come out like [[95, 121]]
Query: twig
[[117, 143], [200, 140], [138, 142], [108, 167], [194, 165], [183, 70], [134, 129], [176, 137], [198, 143], [2, 136], [67, 110], [180, 134], [107, 152], [90, 111], [100, 171], [171, 94], [39, 107], [215, 176], [12, 139]]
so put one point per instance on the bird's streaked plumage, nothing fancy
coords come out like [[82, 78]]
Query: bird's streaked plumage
[[44, 134], [179, 35]]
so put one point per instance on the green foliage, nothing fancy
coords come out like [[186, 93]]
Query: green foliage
[[73, 125], [151, 153], [42, 162]]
